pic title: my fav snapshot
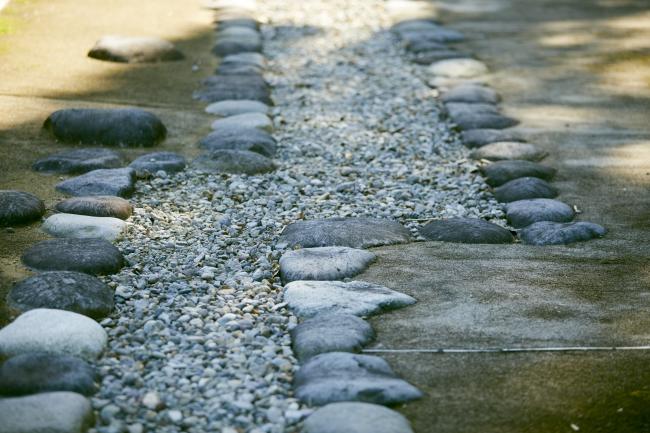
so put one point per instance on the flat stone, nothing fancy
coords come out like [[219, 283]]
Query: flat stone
[[501, 172], [36, 372], [221, 82], [553, 233], [242, 32], [225, 22], [414, 25], [436, 34], [234, 161], [524, 188], [424, 45], [482, 120], [460, 109], [71, 291], [309, 298], [100, 206], [523, 213], [324, 263], [246, 120], [480, 137], [432, 56], [79, 161], [51, 412], [238, 69], [345, 232], [53, 331], [466, 230], [169, 162], [250, 139], [471, 93], [125, 49], [458, 68], [211, 94], [235, 45], [356, 417], [233, 108], [503, 150], [91, 256], [18, 207], [110, 181], [330, 333], [128, 127], [251, 58], [340, 376], [67, 225]]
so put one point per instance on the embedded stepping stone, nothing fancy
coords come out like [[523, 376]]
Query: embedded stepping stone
[[503, 150], [356, 417], [130, 127], [110, 181], [435, 34], [309, 298], [18, 207], [330, 333], [235, 45], [220, 82], [471, 93], [250, 139], [480, 137], [458, 68], [432, 56], [250, 58], [37, 372], [424, 45], [51, 412], [345, 232], [501, 172], [233, 108], [414, 25], [552, 233], [234, 161], [523, 213], [324, 263], [524, 188], [71, 291], [100, 206], [480, 120], [53, 331], [79, 161], [169, 162], [238, 32], [246, 120], [339, 376], [216, 94], [67, 225], [239, 70], [90, 256], [125, 49], [466, 230], [460, 109]]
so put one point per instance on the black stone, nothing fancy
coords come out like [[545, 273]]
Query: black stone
[[552, 233], [251, 139], [17, 207], [523, 213], [524, 188], [500, 172], [480, 137], [234, 161], [466, 230], [90, 255], [115, 181], [169, 162], [79, 161]]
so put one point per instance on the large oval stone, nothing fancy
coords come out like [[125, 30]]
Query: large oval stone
[[18, 207], [523, 213], [466, 230], [79, 161], [110, 181], [458, 68], [245, 120], [324, 263], [100, 206], [234, 161], [473, 138], [91, 256], [232, 108], [501, 172], [471, 93], [250, 139], [169, 162], [67, 225], [356, 417], [524, 188], [552, 233], [51, 412], [124, 49], [503, 150]]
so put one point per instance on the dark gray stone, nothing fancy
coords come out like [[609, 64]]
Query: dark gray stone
[[232, 45], [424, 45], [250, 139], [99, 206], [480, 137], [330, 333], [111, 181], [500, 172], [79, 161], [435, 34], [356, 417], [36, 372], [471, 93], [483, 120], [130, 127], [339, 376], [234, 161], [169, 162], [220, 82], [323, 263], [460, 109], [432, 56], [210, 94], [509, 150], [50, 412], [91, 256], [233, 69], [523, 213], [18, 207], [524, 188], [553, 233], [414, 25], [466, 230], [63, 290], [345, 232], [124, 49], [254, 59]]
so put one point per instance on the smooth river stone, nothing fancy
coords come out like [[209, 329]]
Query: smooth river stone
[[460, 109], [500, 172], [471, 93], [437, 34], [466, 230], [125, 49], [238, 32], [340, 376], [239, 69], [169, 162], [18, 207], [79, 161], [233, 108], [53, 331], [99, 205], [51, 412], [110, 181], [483, 119], [216, 94], [345, 232], [552, 233], [128, 127], [235, 45], [432, 56], [414, 25], [458, 68], [473, 138], [64, 290], [508, 150], [523, 213], [324, 263], [246, 120], [250, 58], [330, 333], [250, 139], [356, 417], [36, 372], [524, 188], [91, 256], [309, 298], [234, 161], [423, 45], [67, 225]]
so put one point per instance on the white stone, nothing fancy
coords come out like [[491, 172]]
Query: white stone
[[235, 107], [458, 68], [324, 263], [67, 225], [246, 120]]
